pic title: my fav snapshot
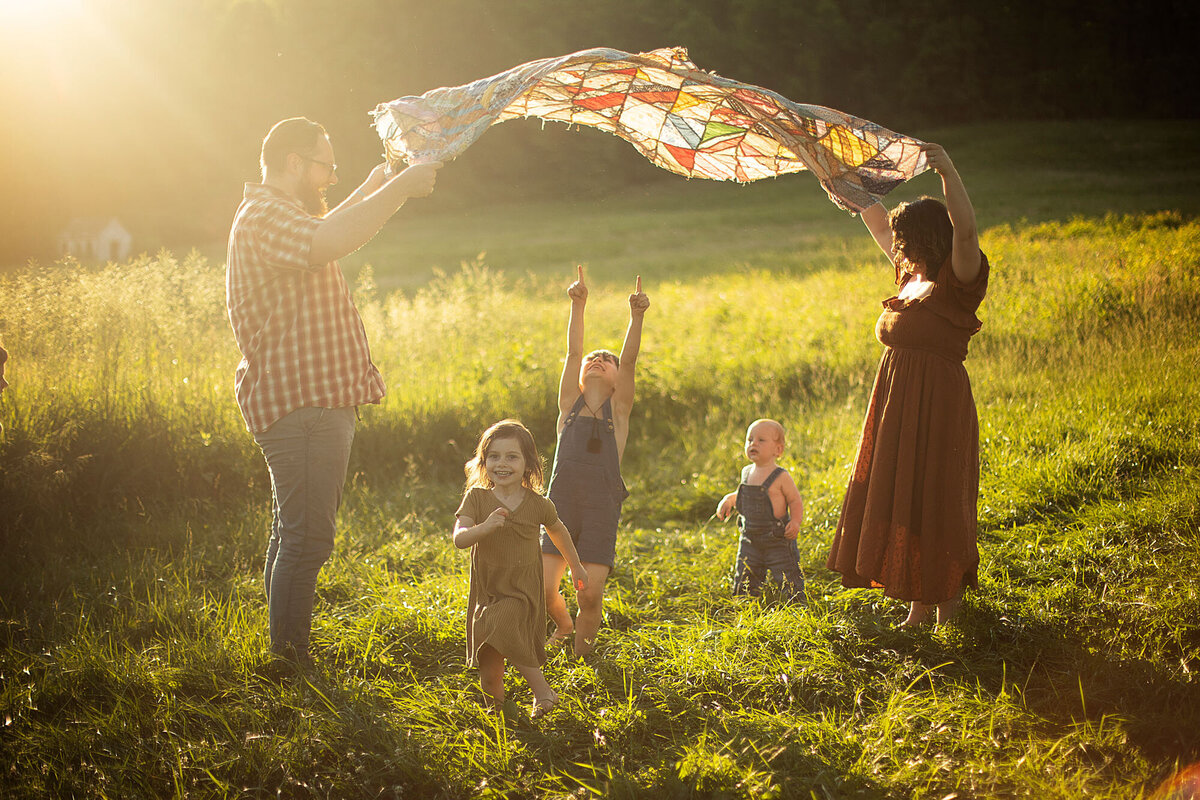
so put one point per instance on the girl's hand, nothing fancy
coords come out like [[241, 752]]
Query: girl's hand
[[638, 301], [496, 518], [579, 577], [792, 530], [577, 291]]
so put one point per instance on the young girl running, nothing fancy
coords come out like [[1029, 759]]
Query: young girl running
[[499, 520]]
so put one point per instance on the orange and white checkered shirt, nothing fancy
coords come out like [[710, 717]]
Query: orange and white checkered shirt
[[302, 340]]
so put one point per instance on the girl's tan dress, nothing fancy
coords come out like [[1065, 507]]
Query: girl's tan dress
[[506, 606], [909, 516]]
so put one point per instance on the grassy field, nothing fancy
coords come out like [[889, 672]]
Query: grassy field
[[132, 623]]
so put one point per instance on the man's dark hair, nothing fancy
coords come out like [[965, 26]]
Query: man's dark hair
[[295, 135]]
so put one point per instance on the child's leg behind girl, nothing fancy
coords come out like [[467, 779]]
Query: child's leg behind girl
[[586, 624]]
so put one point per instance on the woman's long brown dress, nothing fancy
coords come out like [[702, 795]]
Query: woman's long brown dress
[[909, 516]]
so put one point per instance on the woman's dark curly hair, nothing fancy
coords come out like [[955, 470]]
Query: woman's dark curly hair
[[922, 234]]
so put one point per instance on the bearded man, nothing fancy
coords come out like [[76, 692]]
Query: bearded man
[[305, 366]]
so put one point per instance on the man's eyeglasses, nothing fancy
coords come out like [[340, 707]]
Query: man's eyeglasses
[[331, 167]]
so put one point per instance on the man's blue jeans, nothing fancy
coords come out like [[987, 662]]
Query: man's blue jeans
[[307, 453]]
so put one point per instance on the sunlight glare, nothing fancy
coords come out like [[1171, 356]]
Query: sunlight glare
[[37, 12]]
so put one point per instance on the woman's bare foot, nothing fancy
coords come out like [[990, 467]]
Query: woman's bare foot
[[918, 614], [948, 610]]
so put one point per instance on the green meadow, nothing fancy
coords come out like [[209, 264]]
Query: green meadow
[[133, 628]]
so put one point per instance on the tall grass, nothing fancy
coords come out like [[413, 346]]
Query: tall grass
[[135, 505]]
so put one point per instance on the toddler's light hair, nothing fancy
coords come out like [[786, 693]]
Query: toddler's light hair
[[780, 431]]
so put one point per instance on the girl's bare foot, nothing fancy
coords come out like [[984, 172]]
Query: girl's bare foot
[[542, 706], [560, 636]]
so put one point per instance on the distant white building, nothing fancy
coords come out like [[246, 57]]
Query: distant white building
[[95, 239]]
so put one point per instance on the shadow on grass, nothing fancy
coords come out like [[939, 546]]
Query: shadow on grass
[[1062, 677]]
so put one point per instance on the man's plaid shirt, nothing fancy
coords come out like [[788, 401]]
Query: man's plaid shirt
[[302, 340]]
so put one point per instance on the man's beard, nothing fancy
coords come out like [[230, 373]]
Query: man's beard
[[312, 197]]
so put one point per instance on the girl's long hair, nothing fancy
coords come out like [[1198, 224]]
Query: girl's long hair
[[506, 429], [923, 234]]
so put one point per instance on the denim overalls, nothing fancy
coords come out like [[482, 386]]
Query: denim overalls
[[586, 486], [762, 546]]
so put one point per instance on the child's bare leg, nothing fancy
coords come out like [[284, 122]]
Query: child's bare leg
[[553, 567], [918, 613], [544, 697], [491, 674], [591, 609]]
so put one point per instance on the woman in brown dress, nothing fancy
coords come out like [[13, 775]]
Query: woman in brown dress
[[908, 519]]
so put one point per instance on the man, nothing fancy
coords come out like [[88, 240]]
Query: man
[[305, 361]]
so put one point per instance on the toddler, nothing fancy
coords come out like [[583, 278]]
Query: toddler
[[770, 511]]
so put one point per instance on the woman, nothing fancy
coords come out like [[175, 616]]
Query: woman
[[908, 519]]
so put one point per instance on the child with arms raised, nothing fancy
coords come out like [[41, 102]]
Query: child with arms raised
[[499, 519], [595, 399], [770, 511]]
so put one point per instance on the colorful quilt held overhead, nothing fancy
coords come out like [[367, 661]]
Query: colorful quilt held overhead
[[681, 118]]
